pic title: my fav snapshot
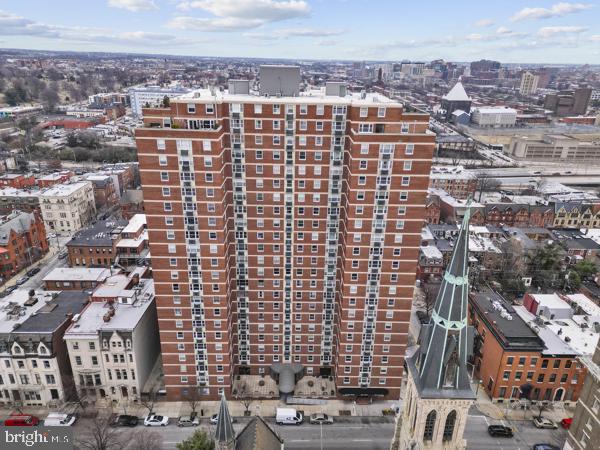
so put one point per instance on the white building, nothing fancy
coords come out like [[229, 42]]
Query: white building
[[34, 369], [67, 208], [114, 345], [496, 117], [153, 96], [529, 83]]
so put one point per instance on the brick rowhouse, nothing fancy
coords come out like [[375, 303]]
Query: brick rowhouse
[[284, 227]]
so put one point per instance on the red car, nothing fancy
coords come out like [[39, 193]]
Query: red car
[[566, 423]]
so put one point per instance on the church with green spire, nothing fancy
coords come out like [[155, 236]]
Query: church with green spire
[[438, 392]]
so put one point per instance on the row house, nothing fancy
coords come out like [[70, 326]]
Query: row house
[[514, 215], [511, 351], [105, 192], [113, 345], [96, 246], [22, 241], [455, 180], [67, 208], [34, 363], [12, 199], [54, 178], [576, 215], [17, 180]]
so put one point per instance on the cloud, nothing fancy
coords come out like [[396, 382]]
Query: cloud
[[13, 25], [546, 32], [557, 10], [484, 23], [238, 14], [285, 33], [133, 5]]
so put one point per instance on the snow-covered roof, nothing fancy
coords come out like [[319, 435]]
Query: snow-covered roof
[[457, 94]]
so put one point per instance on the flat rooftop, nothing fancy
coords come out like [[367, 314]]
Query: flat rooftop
[[14, 310], [135, 223], [54, 313], [586, 305], [91, 320], [13, 192], [310, 96], [553, 344], [501, 318], [64, 190], [101, 234], [78, 274], [551, 301]]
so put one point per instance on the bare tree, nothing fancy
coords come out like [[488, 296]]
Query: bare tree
[[427, 301], [193, 399], [145, 440], [486, 183], [99, 435], [244, 396], [541, 406], [148, 400]]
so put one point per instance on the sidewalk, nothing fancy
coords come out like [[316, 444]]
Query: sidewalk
[[514, 411]]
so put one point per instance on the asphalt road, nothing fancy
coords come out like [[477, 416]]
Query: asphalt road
[[358, 433], [525, 435]]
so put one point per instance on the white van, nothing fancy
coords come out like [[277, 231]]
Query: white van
[[59, 420], [288, 416]]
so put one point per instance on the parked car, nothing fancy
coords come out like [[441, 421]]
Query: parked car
[[500, 430], [423, 317], [215, 418], [566, 423], [21, 420], [542, 422], [288, 416], [188, 421], [545, 447], [21, 281], [125, 421], [63, 254], [321, 419], [10, 289], [152, 420], [33, 271], [59, 420]]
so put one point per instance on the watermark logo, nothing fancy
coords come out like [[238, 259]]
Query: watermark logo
[[43, 438]]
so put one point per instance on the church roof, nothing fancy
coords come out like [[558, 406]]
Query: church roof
[[457, 94], [439, 367], [224, 431]]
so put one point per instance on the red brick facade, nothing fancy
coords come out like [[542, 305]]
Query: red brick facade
[[297, 330]]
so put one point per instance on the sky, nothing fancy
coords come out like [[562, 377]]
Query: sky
[[511, 31]]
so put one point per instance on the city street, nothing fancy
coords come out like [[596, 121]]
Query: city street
[[363, 433], [526, 435]]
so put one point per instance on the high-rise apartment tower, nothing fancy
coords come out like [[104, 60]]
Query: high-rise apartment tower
[[284, 230]]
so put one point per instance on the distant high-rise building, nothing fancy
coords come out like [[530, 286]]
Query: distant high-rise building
[[569, 103], [484, 65], [529, 83], [285, 234]]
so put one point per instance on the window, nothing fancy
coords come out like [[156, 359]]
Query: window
[[364, 112], [210, 108], [191, 108], [303, 109], [449, 426], [429, 426], [320, 110], [258, 108], [407, 166], [365, 128], [258, 124], [381, 111], [160, 144], [410, 149], [276, 109]]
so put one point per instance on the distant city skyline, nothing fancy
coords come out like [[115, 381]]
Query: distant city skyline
[[522, 31]]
